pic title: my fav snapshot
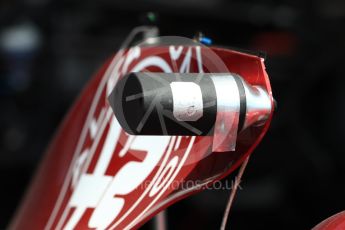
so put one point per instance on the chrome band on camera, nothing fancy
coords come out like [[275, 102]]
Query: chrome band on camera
[[228, 111], [258, 105]]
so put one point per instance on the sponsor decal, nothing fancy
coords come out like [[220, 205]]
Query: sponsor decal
[[103, 187]]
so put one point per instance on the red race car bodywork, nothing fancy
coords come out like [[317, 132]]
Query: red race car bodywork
[[96, 176]]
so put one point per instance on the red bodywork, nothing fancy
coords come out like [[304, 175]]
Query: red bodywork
[[96, 176], [336, 222]]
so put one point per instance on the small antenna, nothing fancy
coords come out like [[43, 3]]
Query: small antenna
[[233, 193]]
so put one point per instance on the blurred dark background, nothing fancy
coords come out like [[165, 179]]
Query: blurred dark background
[[50, 49]]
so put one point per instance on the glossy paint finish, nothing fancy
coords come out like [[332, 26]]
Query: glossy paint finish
[[335, 222], [96, 176]]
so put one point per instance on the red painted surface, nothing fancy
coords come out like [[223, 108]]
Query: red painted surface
[[48, 203], [336, 222]]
